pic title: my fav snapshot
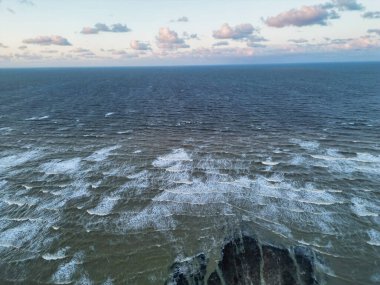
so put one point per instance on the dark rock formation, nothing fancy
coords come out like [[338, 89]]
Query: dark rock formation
[[246, 262], [241, 262]]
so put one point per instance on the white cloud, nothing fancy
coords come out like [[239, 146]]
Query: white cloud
[[83, 52], [221, 43], [298, 41], [137, 45], [181, 19], [188, 36], [238, 32], [372, 15], [49, 51], [304, 16], [100, 27], [48, 40], [168, 39], [345, 5], [374, 31]]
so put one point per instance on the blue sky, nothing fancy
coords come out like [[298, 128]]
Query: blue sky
[[181, 32]]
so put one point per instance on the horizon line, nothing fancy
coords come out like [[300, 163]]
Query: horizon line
[[189, 65]]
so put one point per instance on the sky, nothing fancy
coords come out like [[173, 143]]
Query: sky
[[54, 33]]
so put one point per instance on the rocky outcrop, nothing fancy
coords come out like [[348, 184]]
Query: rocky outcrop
[[247, 262]]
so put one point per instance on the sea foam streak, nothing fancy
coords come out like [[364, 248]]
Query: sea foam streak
[[18, 159], [56, 166], [66, 271], [104, 207], [102, 154], [60, 254]]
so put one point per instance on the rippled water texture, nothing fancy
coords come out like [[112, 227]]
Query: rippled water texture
[[108, 176]]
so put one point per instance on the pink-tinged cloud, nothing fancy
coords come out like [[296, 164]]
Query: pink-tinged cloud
[[48, 40], [168, 39], [137, 45], [305, 16], [238, 32], [359, 43], [89, 31]]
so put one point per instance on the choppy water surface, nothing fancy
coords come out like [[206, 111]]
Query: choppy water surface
[[107, 176]]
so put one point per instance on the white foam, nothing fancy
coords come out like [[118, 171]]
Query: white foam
[[297, 160], [102, 154], [109, 114], [5, 130], [124, 132], [365, 163], [316, 196], [56, 166], [138, 175], [156, 216], [374, 236], [104, 207], [108, 281], [2, 183], [13, 202], [276, 178], [375, 277], [364, 208], [84, 280], [367, 158], [177, 155], [269, 163], [60, 254], [307, 145], [37, 118], [18, 159], [137, 151], [325, 157], [66, 271], [18, 235]]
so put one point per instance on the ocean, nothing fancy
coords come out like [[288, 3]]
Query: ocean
[[110, 175]]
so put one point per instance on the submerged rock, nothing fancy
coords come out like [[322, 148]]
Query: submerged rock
[[247, 262], [191, 271]]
